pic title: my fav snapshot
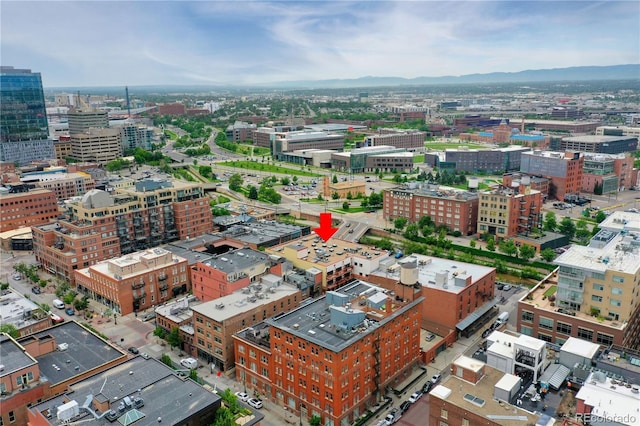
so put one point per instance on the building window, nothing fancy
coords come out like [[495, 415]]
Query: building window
[[585, 334], [616, 290], [527, 331], [544, 337], [444, 414], [527, 316], [12, 416], [465, 422], [604, 339], [615, 302], [595, 298], [545, 323], [618, 279], [563, 328], [598, 287]]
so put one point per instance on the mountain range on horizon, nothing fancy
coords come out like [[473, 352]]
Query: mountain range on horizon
[[581, 73]]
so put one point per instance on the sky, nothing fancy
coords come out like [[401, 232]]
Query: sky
[[114, 43]]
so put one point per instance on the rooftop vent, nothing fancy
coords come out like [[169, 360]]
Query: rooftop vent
[[220, 306]]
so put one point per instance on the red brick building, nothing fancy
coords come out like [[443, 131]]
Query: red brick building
[[564, 170], [333, 357], [228, 273], [507, 212], [172, 109], [455, 209], [24, 206], [135, 282]]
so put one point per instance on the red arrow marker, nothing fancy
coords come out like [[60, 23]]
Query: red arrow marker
[[325, 231]]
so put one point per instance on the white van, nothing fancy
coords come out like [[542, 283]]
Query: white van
[[189, 363], [58, 303], [503, 317]]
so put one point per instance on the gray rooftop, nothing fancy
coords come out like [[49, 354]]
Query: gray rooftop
[[237, 260], [436, 191], [12, 356], [245, 300], [165, 395], [85, 352], [17, 310], [178, 310], [192, 257], [335, 326], [264, 231], [152, 185]]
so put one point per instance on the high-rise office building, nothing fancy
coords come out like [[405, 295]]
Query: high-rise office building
[[23, 117]]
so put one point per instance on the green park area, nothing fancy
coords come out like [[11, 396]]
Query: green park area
[[267, 168]]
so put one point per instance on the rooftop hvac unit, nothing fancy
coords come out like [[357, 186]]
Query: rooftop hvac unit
[[220, 306]]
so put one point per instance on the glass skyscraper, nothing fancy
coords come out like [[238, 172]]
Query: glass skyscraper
[[23, 117]]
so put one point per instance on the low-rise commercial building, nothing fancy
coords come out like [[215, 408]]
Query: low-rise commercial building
[[24, 205], [598, 144], [411, 140], [574, 127], [492, 160], [455, 209], [605, 173], [371, 159], [65, 185], [604, 400], [283, 142], [332, 357], [135, 282], [240, 131], [618, 131], [19, 311], [343, 189], [517, 354]]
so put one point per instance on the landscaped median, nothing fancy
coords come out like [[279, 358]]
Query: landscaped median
[[266, 168]]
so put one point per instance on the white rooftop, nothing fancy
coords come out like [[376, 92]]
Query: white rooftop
[[595, 259], [610, 400], [580, 347], [530, 342], [508, 382], [617, 221], [441, 392], [469, 363]]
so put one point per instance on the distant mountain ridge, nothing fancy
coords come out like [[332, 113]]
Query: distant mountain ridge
[[585, 73], [610, 72]]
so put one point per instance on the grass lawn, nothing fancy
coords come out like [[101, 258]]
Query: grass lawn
[[550, 291], [418, 158], [440, 146], [263, 167], [351, 210], [171, 134]]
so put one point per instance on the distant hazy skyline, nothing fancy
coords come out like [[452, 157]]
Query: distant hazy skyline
[[100, 43]]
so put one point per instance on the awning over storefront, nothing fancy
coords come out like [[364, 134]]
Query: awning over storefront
[[477, 314]]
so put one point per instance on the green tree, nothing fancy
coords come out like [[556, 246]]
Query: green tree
[[253, 193], [472, 243], [235, 182], [508, 247], [45, 308], [285, 181], [205, 171], [224, 417], [4, 286], [160, 332], [295, 179], [166, 359], [69, 297], [548, 254], [349, 196], [334, 179], [345, 205], [335, 195], [81, 304], [491, 243], [174, 339], [600, 216], [400, 223], [527, 252], [550, 222], [567, 227], [412, 232], [10, 329], [375, 199], [315, 420]]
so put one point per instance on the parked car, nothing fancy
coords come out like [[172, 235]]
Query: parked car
[[56, 319], [145, 355], [36, 290], [70, 311], [436, 378], [427, 387], [500, 286], [393, 416], [429, 337], [415, 397], [134, 350], [507, 287], [405, 406], [17, 277], [242, 396], [255, 403]]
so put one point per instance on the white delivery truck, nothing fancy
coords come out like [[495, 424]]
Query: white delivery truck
[[503, 317], [189, 363]]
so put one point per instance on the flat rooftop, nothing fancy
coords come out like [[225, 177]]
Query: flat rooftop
[[237, 260], [17, 310], [252, 298], [621, 253], [617, 221], [459, 393], [316, 251], [580, 347], [434, 272], [13, 357], [339, 319], [165, 395], [178, 310], [540, 301], [85, 352], [596, 139], [436, 191], [265, 231], [610, 398]]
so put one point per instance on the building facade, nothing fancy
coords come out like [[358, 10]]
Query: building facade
[[563, 170], [484, 160], [24, 131], [24, 206], [455, 209], [65, 185], [507, 212], [135, 282], [605, 173], [371, 159], [333, 357], [101, 226], [599, 144], [282, 142], [82, 120], [411, 140], [240, 131], [96, 145]]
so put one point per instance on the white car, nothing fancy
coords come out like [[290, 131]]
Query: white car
[[415, 397], [17, 277], [436, 378], [242, 396], [255, 403]]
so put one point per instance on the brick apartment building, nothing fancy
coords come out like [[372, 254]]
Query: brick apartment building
[[215, 322], [610, 172], [455, 209], [507, 212], [240, 131], [23, 206], [458, 296], [564, 170], [65, 185], [333, 357], [135, 282], [101, 226], [228, 272], [172, 109], [523, 180]]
